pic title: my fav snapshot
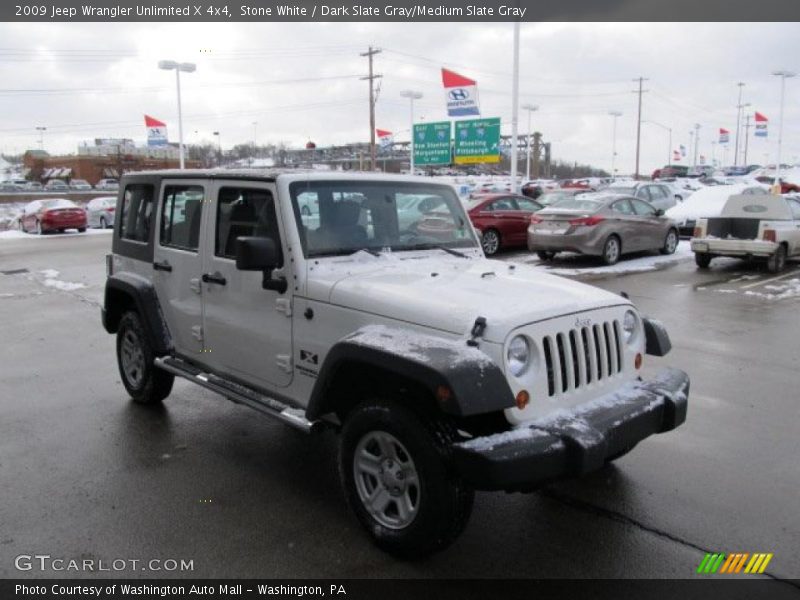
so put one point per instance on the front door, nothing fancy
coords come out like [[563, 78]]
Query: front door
[[247, 329], [177, 266]]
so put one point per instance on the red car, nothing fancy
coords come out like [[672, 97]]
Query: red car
[[502, 220], [43, 216]]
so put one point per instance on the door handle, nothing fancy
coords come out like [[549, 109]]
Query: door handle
[[162, 266], [216, 278]]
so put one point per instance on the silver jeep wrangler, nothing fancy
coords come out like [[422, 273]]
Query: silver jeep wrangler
[[363, 303]]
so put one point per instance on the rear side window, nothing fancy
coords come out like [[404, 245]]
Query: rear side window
[[137, 210], [244, 212], [622, 206], [795, 206], [181, 212]]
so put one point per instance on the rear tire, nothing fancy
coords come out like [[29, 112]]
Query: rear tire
[[546, 255], [81, 229], [670, 242], [612, 250], [490, 242], [394, 468], [145, 383], [777, 262], [103, 223], [702, 260]]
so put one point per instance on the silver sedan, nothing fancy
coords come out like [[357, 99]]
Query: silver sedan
[[100, 212], [604, 225]]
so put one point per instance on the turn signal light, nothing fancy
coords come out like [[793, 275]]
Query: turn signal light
[[523, 397], [769, 235], [535, 219], [637, 362], [587, 221]]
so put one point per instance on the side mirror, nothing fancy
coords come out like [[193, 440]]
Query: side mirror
[[659, 212], [260, 254], [256, 254]]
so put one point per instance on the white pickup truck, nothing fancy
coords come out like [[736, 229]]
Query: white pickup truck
[[763, 226]]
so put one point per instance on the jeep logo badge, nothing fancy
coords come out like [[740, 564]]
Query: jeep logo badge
[[583, 322]]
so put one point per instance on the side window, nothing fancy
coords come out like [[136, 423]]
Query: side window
[[795, 206], [181, 212], [137, 210], [503, 204], [244, 212], [622, 206], [643, 209], [527, 205], [644, 193]]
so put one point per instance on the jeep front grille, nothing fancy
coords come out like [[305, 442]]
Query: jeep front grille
[[582, 356]]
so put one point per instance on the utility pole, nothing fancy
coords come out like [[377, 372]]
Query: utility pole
[[640, 91], [738, 122], [371, 78], [515, 110], [746, 137]]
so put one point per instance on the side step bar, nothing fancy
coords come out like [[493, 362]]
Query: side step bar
[[239, 394]]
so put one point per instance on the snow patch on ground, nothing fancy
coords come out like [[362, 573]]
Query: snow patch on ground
[[787, 289], [15, 234], [50, 280], [577, 264]]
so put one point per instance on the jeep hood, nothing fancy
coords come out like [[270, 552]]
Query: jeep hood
[[449, 293]]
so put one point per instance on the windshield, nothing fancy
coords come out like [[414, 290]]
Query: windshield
[[577, 204], [343, 217], [552, 198]]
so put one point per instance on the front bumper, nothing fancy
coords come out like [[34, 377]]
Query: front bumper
[[578, 442]]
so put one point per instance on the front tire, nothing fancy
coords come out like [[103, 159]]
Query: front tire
[[145, 383], [490, 242], [670, 242], [611, 250], [102, 222], [777, 262], [546, 255], [702, 260], [395, 472]]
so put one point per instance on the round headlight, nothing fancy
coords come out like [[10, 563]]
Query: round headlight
[[629, 326], [518, 355]]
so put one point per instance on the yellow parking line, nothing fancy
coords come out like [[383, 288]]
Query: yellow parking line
[[757, 283]]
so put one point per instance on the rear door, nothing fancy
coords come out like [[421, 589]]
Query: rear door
[[247, 329], [626, 225], [651, 231], [177, 262], [522, 218], [794, 230]]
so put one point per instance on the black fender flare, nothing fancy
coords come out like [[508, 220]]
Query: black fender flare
[[657, 342], [143, 295], [463, 380]]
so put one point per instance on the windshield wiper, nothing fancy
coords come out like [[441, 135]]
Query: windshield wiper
[[438, 247], [368, 251]]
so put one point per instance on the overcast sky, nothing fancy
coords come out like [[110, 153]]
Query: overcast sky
[[300, 82]]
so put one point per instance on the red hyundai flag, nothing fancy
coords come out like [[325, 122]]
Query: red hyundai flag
[[461, 94], [453, 79], [760, 118], [153, 122], [383, 132]]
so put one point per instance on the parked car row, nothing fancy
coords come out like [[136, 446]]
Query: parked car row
[[57, 185], [59, 214]]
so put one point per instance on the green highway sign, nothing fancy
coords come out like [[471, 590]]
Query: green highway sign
[[432, 143], [477, 141]]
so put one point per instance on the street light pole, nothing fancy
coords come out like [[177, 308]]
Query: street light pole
[[783, 75], [411, 95], [669, 147], [615, 114], [169, 65], [514, 109], [696, 141], [41, 131], [530, 108], [739, 107], [219, 146]]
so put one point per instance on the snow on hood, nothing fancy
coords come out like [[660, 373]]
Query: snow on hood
[[706, 202], [448, 293]]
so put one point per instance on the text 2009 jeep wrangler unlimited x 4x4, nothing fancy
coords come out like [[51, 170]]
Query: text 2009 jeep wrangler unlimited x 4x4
[[365, 304]]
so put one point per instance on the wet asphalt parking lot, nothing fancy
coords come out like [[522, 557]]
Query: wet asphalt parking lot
[[87, 474]]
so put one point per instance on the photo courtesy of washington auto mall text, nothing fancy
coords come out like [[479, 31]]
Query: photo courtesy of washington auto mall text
[[390, 299]]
